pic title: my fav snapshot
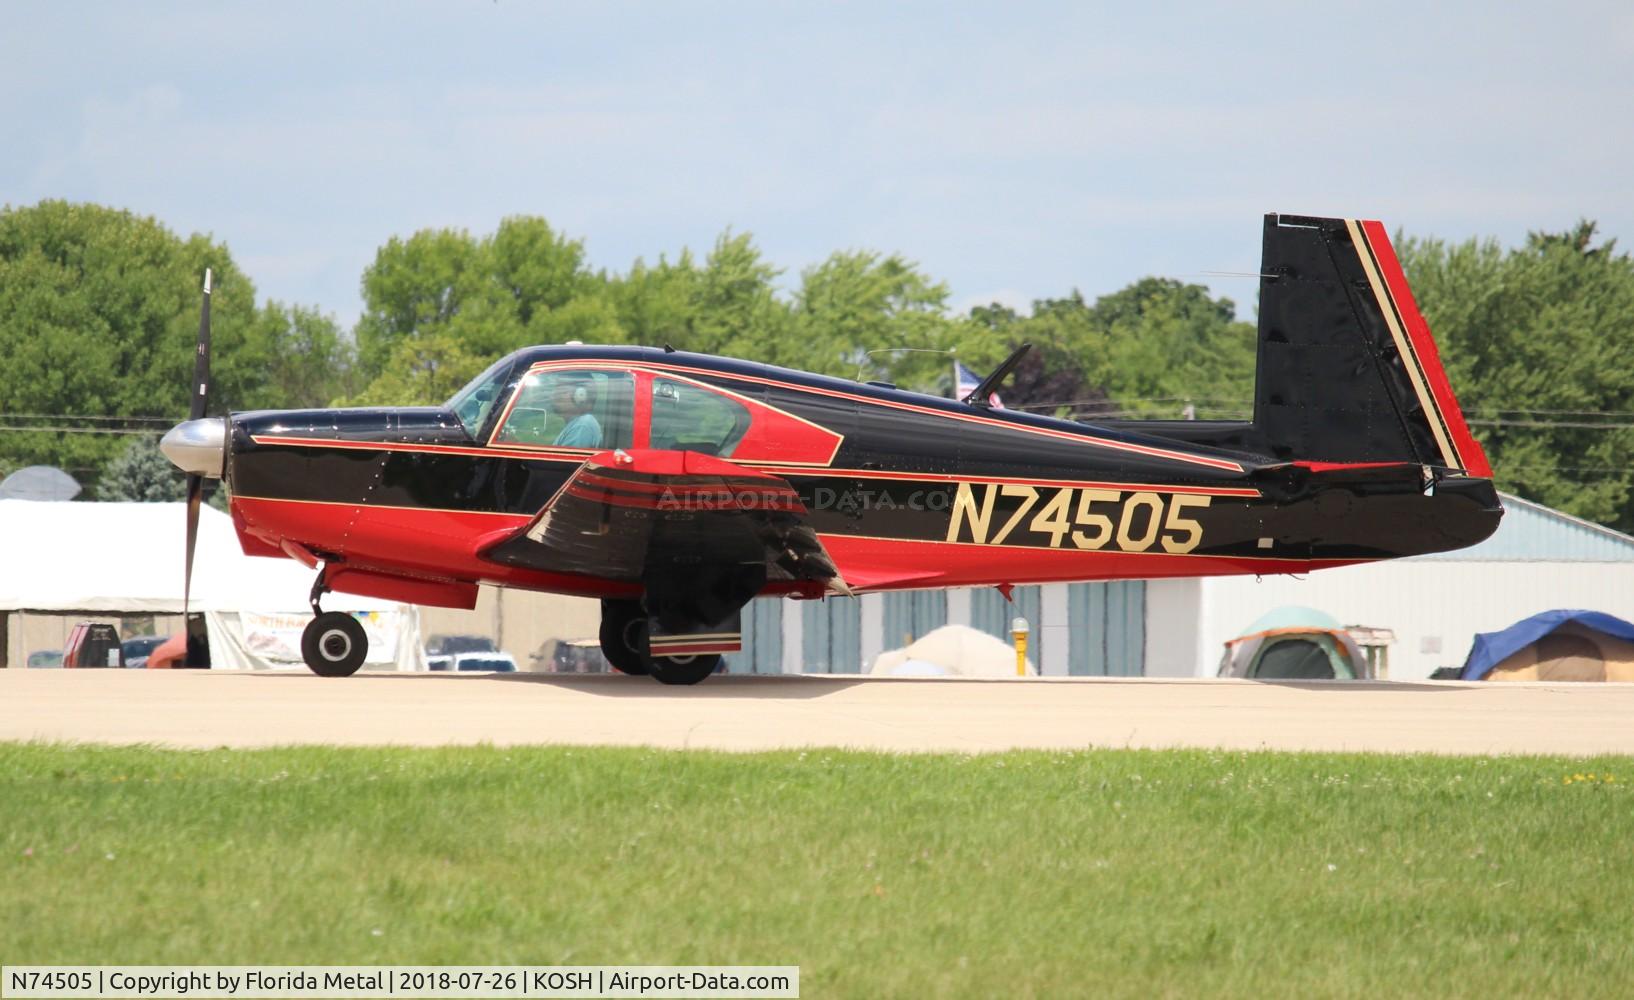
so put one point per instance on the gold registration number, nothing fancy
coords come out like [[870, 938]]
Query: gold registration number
[[1091, 518]]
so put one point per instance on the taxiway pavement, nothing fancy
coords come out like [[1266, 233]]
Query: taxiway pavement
[[206, 709]]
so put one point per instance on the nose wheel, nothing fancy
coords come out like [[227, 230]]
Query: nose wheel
[[334, 644]]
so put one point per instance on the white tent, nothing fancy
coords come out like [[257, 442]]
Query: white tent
[[129, 558], [951, 651]]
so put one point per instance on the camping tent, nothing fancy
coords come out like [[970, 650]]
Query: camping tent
[[1562, 645], [1294, 643], [128, 558]]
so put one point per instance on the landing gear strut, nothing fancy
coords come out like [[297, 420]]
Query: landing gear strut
[[334, 643]]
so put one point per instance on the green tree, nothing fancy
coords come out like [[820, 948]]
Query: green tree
[[734, 309], [309, 361], [98, 320], [443, 300], [860, 301], [423, 370], [655, 303], [142, 474], [98, 317], [1536, 342], [1151, 349], [1169, 346]]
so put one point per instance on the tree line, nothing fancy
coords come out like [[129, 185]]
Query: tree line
[[98, 312]]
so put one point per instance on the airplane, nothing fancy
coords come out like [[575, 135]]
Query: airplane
[[676, 487]]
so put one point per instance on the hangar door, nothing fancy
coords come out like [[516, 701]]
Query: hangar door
[[762, 651], [831, 636], [1107, 628], [909, 614]]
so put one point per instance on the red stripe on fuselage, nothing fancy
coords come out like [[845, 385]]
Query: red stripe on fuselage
[[410, 542], [1418, 331], [959, 564]]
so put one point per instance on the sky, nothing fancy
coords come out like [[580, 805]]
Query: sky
[[1015, 151]]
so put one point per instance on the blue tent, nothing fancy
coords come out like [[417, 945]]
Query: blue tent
[[1492, 648]]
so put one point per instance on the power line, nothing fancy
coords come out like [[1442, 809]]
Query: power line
[[90, 417], [1551, 424], [45, 429]]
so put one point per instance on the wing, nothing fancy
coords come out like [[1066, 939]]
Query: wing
[[666, 516]]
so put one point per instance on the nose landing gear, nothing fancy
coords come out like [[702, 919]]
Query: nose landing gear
[[333, 643]]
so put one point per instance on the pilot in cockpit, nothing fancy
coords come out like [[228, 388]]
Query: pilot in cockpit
[[573, 400]]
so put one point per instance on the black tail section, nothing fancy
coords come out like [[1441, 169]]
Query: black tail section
[[1347, 370]]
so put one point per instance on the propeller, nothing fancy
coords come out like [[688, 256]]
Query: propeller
[[195, 483]]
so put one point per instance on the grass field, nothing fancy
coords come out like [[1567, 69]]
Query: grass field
[[1050, 874]]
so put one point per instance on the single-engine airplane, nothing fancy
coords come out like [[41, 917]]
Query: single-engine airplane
[[677, 487]]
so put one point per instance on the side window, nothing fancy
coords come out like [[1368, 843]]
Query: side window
[[571, 409], [687, 417]]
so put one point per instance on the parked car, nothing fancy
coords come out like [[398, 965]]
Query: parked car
[[499, 663], [138, 650], [93, 644], [442, 649], [578, 656], [45, 658]]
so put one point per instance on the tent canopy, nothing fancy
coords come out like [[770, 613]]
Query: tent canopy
[[1290, 617], [1492, 648], [128, 558]]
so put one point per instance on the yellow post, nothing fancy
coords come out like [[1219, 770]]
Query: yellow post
[[1018, 632]]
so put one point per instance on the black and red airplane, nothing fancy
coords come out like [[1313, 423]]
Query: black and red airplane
[[677, 487]]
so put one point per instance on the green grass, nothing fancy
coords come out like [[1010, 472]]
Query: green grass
[[1108, 872]]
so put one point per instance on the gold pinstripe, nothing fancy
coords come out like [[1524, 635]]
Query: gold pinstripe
[[1403, 345]]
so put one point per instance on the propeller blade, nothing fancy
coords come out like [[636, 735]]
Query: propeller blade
[[201, 361], [195, 495], [200, 393]]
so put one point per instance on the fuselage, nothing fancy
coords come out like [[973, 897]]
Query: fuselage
[[904, 490]]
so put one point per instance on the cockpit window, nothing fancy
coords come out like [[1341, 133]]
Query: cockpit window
[[572, 409], [688, 417], [473, 403]]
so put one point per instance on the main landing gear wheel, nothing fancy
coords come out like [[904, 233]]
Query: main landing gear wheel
[[624, 636], [334, 645], [684, 669]]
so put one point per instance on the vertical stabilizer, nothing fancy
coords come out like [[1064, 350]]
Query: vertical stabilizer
[[1347, 370]]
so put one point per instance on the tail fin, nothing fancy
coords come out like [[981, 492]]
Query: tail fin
[[1348, 371]]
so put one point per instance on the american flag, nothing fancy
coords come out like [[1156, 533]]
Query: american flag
[[965, 382]]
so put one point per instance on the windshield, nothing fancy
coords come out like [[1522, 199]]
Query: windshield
[[473, 403]]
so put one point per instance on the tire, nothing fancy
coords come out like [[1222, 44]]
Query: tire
[[334, 645], [623, 634], [688, 670]]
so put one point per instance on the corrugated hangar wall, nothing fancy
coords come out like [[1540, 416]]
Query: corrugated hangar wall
[[1080, 629]]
